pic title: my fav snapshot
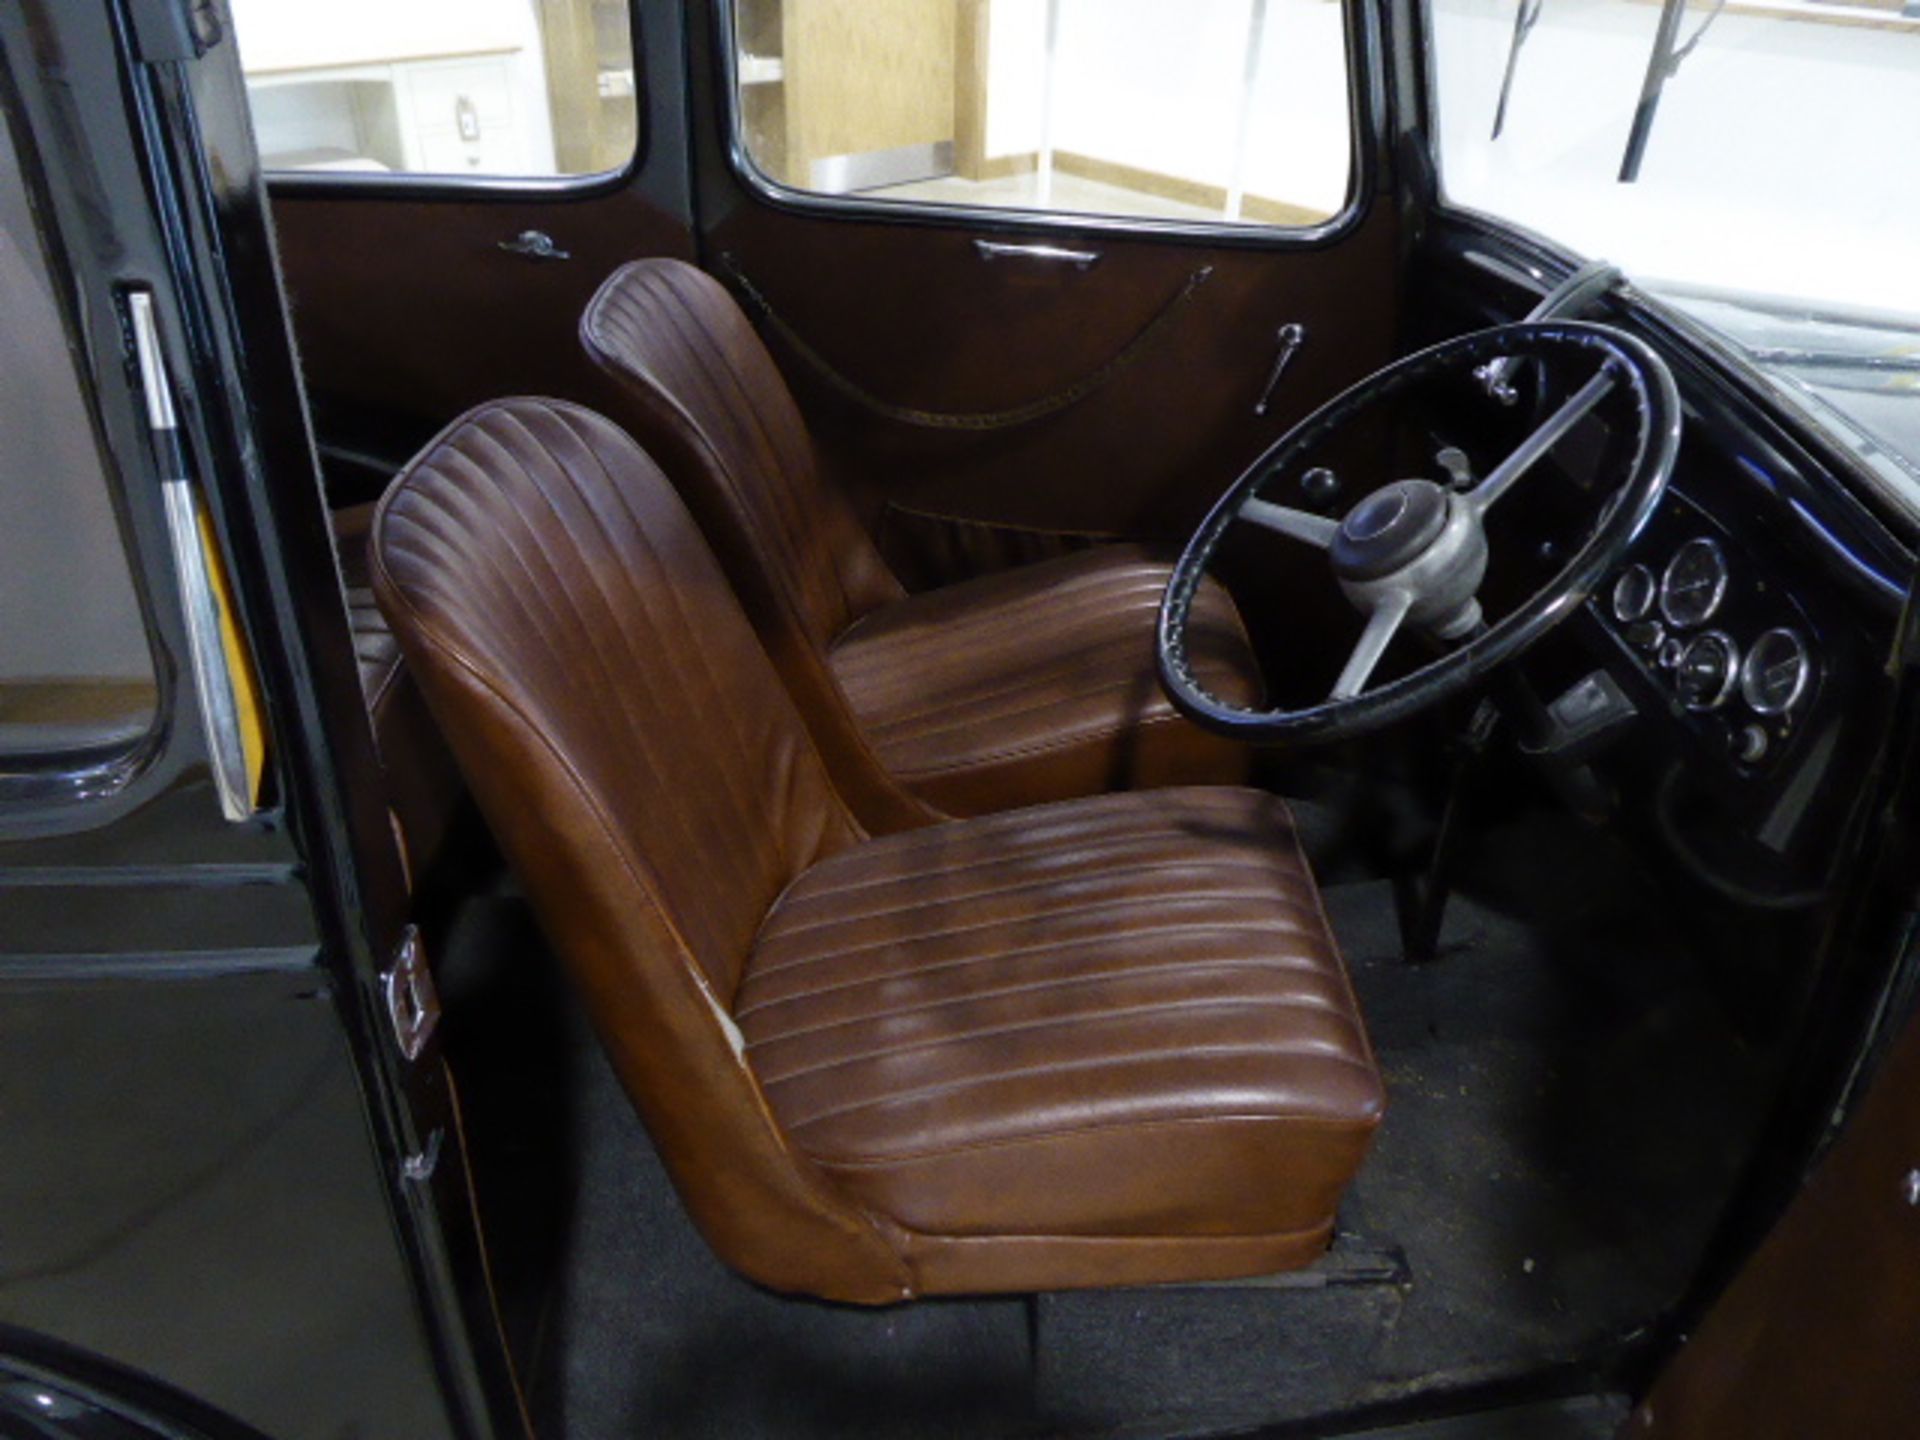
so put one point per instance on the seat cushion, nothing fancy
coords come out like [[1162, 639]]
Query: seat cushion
[[1108, 1041], [422, 782], [1039, 683]]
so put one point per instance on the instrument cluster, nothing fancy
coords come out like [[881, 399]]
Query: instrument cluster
[[1716, 645]]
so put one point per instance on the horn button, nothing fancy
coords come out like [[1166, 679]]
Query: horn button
[[1389, 530], [1415, 545]]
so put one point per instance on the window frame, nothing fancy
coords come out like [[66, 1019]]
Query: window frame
[[429, 185], [1366, 123]]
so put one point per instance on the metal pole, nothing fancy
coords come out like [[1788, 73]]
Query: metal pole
[[1256, 45], [1043, 185]]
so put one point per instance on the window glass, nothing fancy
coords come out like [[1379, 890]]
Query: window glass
[[76, 674], [519, 88], [1232, 111]]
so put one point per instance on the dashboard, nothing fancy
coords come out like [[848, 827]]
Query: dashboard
[[1723, 638], [1746, 659]]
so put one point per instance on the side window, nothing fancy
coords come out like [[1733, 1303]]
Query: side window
[[517, 88], [1229, 111], [76, 674]]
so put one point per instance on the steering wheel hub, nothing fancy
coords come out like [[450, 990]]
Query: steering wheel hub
[[1388, 530]]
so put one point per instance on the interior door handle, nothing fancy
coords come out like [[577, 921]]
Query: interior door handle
[[535, 245], [1056, 254]]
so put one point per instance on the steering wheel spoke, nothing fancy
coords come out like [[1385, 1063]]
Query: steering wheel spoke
[[1383, 623], [1314, 530], [1508, 472]]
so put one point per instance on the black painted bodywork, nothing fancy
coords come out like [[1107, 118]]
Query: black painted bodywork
[[204, 1124], [202, 1120]]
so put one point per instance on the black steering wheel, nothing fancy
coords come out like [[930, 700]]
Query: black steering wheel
[[1414, 552]]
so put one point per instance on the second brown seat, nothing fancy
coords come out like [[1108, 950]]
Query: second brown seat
[[1013, 689]]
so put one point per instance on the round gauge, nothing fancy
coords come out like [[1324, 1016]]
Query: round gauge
[[1708, 668], [1694, 585], [1633, 594], [1776, 673]]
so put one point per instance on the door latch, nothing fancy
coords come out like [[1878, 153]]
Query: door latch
[[1291, 336], [535, 245], [413, 1005]]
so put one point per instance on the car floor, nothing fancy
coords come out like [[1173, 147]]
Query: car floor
[[1567, 1115]]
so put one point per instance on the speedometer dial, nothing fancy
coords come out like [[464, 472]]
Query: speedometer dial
[[1694, 584], [1776, 673]]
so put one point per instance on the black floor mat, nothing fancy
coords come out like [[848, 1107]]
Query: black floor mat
[[1566, 1117], [1566, 1113], [655, 1337]]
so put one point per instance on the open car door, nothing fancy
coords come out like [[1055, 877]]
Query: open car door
[[222, 1106]]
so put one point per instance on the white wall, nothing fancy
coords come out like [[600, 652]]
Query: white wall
[[282, 40], [1159, 86], [1785, 159]]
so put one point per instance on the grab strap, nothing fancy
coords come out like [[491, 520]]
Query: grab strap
[[978, 421]]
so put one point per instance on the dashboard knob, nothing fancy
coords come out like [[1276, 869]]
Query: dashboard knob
[[1320, 485]]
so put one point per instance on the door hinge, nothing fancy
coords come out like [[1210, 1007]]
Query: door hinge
[[418, 1168], [175, 29], [413, 1005]]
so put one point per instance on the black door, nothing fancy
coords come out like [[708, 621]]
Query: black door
[[222, 1168]]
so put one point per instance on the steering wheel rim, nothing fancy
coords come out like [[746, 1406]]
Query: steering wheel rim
[[1623, 360]]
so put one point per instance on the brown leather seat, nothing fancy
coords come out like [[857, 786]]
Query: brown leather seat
[[422, 781], [1033, 685], [1099, 1042]]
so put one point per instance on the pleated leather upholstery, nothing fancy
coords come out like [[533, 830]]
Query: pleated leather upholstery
[[1109, 1019], [706, 399], [711, 399], [1039, 683], [529, 540], [1107, 1041], [1059, 703], [647, 778]]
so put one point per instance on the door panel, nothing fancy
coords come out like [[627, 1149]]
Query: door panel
[[407, 308], [409, 312], [1816, 1335], [914, 314], [902, 303], [206, 1119]]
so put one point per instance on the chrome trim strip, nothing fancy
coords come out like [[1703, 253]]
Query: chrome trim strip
[[1002, 250], [199, 602]]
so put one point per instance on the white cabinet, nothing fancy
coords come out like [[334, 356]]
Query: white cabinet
[[451, 87], [462, 118]]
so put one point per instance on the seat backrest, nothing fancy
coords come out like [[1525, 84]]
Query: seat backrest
[[647, 776], [705, 398]]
